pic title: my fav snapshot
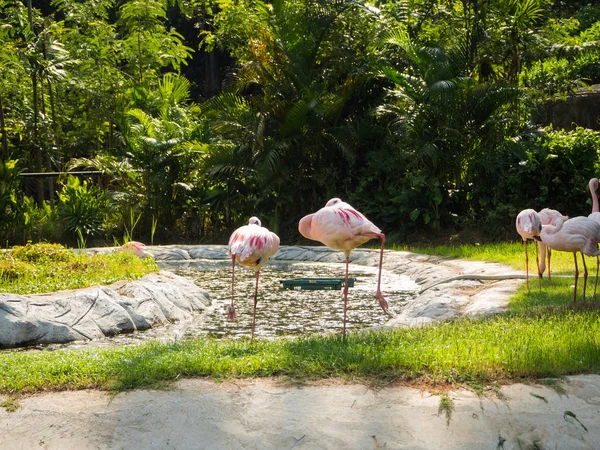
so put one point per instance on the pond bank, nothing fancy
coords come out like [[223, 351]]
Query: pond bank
[[157, 299]]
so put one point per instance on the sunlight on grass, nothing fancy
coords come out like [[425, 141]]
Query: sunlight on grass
[[43, 268], [544, 335], [557, 291], [549, 343]]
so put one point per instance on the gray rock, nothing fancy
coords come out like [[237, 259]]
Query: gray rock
[[98, 311]]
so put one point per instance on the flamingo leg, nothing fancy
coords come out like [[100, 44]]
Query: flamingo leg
[[597, 266], [549, 253], [255, 301], [585, 276], [576, 276], [231, 310], [537, 264], [382, 301], [526, 264], [346, 293]]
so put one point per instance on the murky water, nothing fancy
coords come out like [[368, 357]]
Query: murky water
[[283, 312], [280, 312]]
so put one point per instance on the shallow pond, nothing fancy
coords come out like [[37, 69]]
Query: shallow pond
[[280, 312], [284, 312]]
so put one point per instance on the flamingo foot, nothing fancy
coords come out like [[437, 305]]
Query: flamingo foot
[[382, 301], [231, 315]]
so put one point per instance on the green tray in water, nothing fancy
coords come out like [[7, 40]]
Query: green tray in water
[[328, 284]]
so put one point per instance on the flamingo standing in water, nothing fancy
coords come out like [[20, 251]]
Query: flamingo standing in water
[[529, 226], [251, 246], [548, 217], [579, 234], [341, 227]]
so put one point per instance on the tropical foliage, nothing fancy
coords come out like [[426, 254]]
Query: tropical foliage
[[201, 114]]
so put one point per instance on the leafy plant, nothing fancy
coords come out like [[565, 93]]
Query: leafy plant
[[82, 206]]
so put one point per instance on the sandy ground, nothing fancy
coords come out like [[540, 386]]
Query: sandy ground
[[262, 414]]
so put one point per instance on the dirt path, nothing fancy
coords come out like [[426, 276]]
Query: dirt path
[[201, 414]]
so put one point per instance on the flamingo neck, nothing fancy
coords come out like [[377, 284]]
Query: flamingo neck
[[542, 264], [595, 207]]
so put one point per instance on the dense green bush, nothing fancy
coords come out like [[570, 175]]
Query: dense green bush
[[549, 170], [82, 206], [11, 215]]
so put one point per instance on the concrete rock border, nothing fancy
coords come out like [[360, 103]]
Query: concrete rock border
[[159, 298], [97, 312]]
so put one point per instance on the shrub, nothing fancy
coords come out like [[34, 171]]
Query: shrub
[[41, 252], [11, 217], [82, 206], [12, 269]]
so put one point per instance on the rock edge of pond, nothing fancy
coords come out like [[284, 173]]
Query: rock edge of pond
[[164, 297]]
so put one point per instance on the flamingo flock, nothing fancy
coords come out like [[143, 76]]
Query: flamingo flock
[[554, 231], [339, 226]]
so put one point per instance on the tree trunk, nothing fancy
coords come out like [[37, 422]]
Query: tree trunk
[[3, 131], [38, 150]]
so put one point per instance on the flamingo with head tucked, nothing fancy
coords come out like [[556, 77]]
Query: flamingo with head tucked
[[579, 234], [138, 249], [251, 246], [529, 226], [548, 217], [341, 227]]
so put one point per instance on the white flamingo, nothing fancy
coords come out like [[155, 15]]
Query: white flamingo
[[251, 246], [595, 216], [579, 234], [529, 226], [548, 217]]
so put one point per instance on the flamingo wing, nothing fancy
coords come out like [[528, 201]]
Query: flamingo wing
[[253, 245], [339, 226]]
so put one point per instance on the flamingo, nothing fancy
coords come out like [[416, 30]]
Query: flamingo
[[595, 216], [548, 217], [251, 246], [138, 248], [529, 226], [579, 234], [593, 185], [341, 227]]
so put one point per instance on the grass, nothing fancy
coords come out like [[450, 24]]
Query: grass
[[39, 268], [544, 336], [11, 404], [550, 343], [509, 253], [555, 292]]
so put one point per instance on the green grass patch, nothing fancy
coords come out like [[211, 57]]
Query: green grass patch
[[509, 253], [543, 337], [548, 343], [39, 268], [554, 292]]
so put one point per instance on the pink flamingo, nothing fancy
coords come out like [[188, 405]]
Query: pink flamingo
[[529, 226], [341, 227], [251, 246], [579, 234], [595, 216], [138, 248], [548, 217], [593, 185]]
